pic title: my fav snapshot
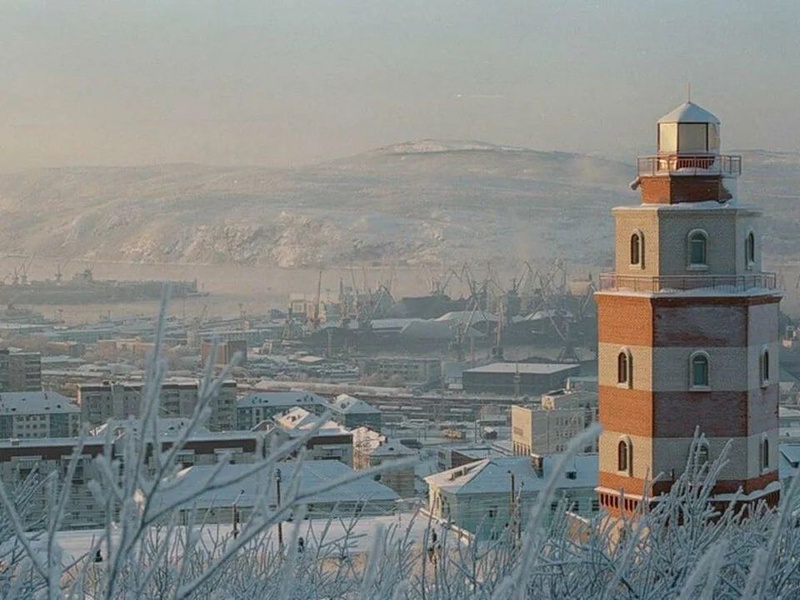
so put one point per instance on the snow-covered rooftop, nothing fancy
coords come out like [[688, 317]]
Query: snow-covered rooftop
[[28, 403], [492, 475], [377, 444], [523, 368], [689, 112], [346, 404], [300, 420], [280, 399], [245, 492]]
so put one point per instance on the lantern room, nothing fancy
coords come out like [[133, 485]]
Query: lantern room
[[689, 129]]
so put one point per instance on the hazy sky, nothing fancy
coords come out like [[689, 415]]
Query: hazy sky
[[280, 82]]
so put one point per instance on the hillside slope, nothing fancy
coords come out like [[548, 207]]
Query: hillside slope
[[411, 203]]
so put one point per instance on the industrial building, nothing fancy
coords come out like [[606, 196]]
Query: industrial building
[[517, 379]]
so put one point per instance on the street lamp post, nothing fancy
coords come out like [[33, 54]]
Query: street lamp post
[[278, 494], [235, 515]]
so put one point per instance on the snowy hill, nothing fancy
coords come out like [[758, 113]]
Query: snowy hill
[[412, 203]]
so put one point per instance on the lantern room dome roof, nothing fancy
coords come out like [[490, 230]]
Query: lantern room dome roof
[[688, 112]]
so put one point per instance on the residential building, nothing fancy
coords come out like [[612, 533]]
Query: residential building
[[409, 369], [226, 351], [43, 457], [487, 496], [40, 458], [25, 415], [549, 427], [325, 441], [687, 328], [238, 494], [371, 449], [252, 409], [106, 400], [352, 412], [20, 371]]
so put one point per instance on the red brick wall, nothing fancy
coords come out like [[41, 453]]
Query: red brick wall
[[666, 189], [716, 413], [626, 410], [701, 325], [624, 320]]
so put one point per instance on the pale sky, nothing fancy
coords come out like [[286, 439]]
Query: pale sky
[[287, 82]]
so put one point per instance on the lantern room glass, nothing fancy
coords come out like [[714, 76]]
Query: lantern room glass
[[692, 137], [668, 138]]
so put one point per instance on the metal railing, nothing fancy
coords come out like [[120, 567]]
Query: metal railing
[[723, 283], [690, 164]]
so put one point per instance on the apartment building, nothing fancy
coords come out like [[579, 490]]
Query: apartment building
[[25, 415]]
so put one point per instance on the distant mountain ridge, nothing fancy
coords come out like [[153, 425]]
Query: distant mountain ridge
[[421, 202]]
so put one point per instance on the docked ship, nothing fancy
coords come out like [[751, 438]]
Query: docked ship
[[83, 288]]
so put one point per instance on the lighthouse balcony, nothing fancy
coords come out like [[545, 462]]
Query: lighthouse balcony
[[690, 164], [681, 283]]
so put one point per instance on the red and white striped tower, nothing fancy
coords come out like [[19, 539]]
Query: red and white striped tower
[[687, 327]]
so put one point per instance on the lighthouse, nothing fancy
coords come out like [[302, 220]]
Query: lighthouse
[[687, 328]]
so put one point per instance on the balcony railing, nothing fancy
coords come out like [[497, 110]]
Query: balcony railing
[[669, 283], [690, 164]]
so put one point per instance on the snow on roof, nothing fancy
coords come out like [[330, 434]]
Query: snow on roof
[[346, 404], [524, 368], [300, 420], [468, 316], [550, 313], [397, 323], [310, 475], [167, 426], [791, 452], [377, 444], [27, 403], [280, 399], [492, 475], [689, 112]]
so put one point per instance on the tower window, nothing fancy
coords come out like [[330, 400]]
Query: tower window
[[765, 454], [698, 368], [637, 249], [625, 368], [622, 368], [763, 366], [698, 248], [750, 250], [623, 458]]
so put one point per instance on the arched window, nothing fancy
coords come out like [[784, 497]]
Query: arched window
[[698, 248], [698, 370], [622, 368], [765, 454], [764, 366], [750, 250], [637, 249], [622, 456], [625, 368]]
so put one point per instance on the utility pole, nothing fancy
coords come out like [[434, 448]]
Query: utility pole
[[278, 494], [512, 511]]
